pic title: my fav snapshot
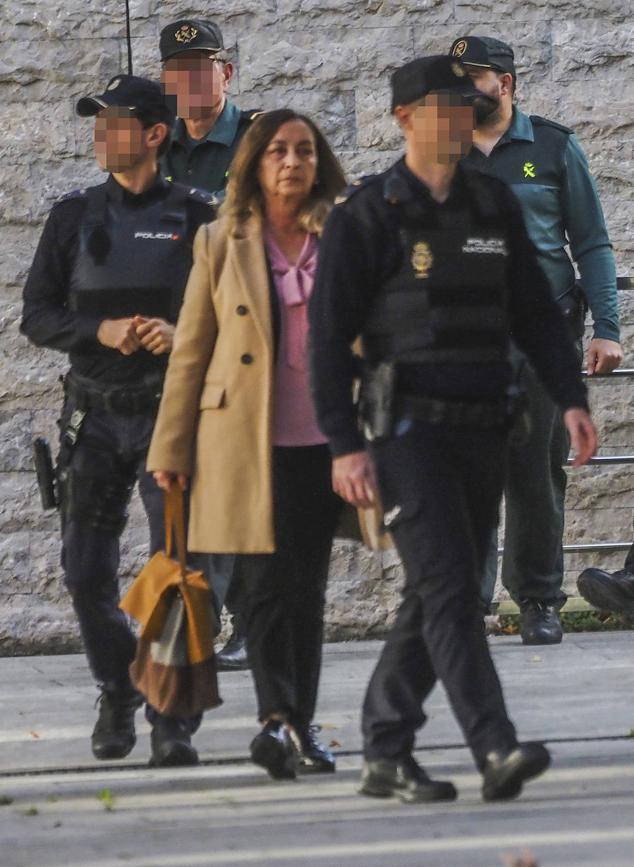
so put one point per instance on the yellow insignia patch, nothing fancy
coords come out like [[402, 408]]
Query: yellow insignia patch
[[460, 48], [422, 259], [529, 170], [458, 70], [186, 33]]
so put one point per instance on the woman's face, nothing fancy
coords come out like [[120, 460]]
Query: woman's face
[[288, 166]]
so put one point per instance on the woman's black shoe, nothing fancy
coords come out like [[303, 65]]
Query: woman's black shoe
[[274, 750], [382, 778], [506, 771], [171, 744], [314, 757]]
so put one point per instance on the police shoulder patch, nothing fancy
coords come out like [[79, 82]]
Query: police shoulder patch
[[353, 188], [544, 121]]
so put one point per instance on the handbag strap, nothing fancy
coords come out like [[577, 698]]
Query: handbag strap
[[175, 520]]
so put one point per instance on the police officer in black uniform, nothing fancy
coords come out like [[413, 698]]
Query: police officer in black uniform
[[432, 266], [197, 73], [106, 286]]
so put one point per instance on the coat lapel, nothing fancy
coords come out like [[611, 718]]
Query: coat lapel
[[249, 264]]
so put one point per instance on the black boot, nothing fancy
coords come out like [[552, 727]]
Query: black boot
[[314, 757], [274, 750], [171, 743], [540, 622], [114, 736], [382, 778], [233, 656], [609, 591], [506, 771]]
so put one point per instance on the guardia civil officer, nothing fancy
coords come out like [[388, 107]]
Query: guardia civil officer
[[105, 286], [197, 73], [543, 163], [431, 265]]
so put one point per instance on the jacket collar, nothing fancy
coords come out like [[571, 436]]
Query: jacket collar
[[222, 132]]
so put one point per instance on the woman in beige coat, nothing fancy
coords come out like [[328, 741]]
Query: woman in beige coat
[[237, 420]]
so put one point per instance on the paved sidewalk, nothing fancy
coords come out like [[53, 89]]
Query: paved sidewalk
[[67, 809]]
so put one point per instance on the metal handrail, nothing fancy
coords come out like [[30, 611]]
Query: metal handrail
[[619, 372], [607, 459], [604, 460]]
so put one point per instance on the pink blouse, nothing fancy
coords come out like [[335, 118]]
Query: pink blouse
[[294, 420]]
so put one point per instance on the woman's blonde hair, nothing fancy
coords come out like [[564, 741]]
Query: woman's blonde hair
[[244, 196]]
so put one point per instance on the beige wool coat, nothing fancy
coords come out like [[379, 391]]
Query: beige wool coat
[[214, 421]]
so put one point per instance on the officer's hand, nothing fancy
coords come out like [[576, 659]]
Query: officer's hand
[[156, 335], [354, 480], [603, 355], [583, 435], [119, 334], [165, 480]]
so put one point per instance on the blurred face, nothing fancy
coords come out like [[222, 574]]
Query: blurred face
[[197, 81], [288, 166], [440, 128], [120, 140], [494, 85]]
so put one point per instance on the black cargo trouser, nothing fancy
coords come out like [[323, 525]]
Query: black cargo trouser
[[440, 488], [100, 472], [285, 592]]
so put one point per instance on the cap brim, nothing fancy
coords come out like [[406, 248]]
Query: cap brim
[[89, 106], [186, 48]]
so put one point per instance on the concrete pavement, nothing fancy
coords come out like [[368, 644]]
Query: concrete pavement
[[64, 808]]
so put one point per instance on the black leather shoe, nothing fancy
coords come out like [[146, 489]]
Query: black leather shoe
[[274, 750], [313, 756], [540, 622], [233, 656], [171, 744], [382, 778], [506, 771], [608, 591], [113, 736]]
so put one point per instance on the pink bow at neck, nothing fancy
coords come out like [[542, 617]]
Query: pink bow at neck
[[294, 282]]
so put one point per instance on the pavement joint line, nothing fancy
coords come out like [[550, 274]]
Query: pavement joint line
[[241, 760], [372, 848]]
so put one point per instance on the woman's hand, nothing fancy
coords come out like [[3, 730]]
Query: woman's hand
[[354, 480], [165, 479]]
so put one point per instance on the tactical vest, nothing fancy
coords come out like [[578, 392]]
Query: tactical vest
[[447, 300], [131, 259]]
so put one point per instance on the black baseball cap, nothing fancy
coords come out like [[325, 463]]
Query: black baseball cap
[[144, 99], [484, 51], [190, 34], [436, 74]]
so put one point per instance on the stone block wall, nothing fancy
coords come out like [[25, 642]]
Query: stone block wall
[[331, 58]]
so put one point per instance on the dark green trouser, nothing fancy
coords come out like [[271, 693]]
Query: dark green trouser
[[535, 489]]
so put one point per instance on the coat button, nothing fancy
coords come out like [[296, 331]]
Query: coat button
[[247, 358], [241, 310]]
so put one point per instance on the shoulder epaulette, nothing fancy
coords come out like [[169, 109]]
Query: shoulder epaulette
[[249, 115], [203, 196], [353, 188], [544, 121], [74, 194]]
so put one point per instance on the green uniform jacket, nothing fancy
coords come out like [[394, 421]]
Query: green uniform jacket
[[545, 167], [206, 164]]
